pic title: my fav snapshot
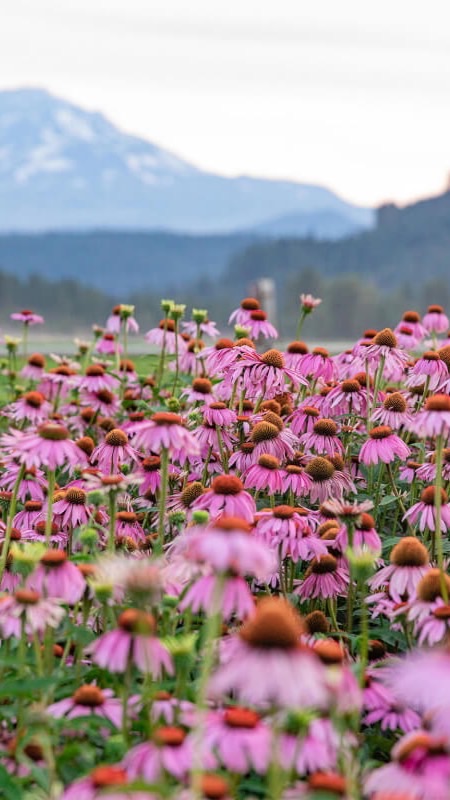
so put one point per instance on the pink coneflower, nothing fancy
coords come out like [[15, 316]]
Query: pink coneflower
[[219, 414], [72, 510], [34, 368], [293, 355], [382, 706], [228, 546], [213, 437], [327, 481], [318, 364], [429, 369], [409, 562], [189, 361], [420, 768], [28, 317], [421, 680], [168, 709], [303, 419], [57, 538], [309, 303], [270, 437], [323, 578], [31, 407], [424, 512], [239, 740], [170, 752], [394, 412], [128, 527], [258, 325], [36, 611], [290, 531], [266, 661], [206, 327], [95, 379], [348, 397], [89, 700], [149, 475], [317, 750], [109, 782], [364, 535], [384, 349], [51, 447], [57, 383], [230, 597], [219, 356], [435, 627], [435, 321], [296, 481], [406, 338], [383, 445], [266, 475], [434, 420], [241, 315], [323, 439], [165, 335], [122, 313], [201, 391], [243, 457], [113, 452], [108, 345], [227, 497], [264, 374], [408, 472], [57, 577], [166, 431], [134, 639], [30, 514], [102, 402], [412, 319]]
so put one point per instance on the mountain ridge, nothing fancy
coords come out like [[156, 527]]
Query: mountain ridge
[[65, 168]]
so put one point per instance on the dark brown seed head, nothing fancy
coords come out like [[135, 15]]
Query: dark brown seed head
[[320, 469], [385, 338], [395, 402], [273, 358], [429, 587], [116, 438], [227, 484], [409, 552], [275, 624]]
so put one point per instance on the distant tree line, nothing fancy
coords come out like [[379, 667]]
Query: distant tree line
[[350, 303]]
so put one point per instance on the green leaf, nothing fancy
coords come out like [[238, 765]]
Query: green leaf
[[9, 789], [387, 500]]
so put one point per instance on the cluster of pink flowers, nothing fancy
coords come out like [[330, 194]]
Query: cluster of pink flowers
[[217, 578]]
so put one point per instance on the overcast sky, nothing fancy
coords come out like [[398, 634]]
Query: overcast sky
[[351, 94]]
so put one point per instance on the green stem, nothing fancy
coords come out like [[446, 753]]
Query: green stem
[[300, 322], [438, 515], [177, 360], [112, 522], [125, 697], [50, 493], [397, 494], [223, 457], [162, 498], [364, 638], [350, 530], [162, 356], [212, 632], [9, 524]]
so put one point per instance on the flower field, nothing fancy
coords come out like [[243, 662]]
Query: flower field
[[224, 568]]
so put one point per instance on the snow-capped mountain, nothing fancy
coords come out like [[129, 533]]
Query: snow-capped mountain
[[62, 167]]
